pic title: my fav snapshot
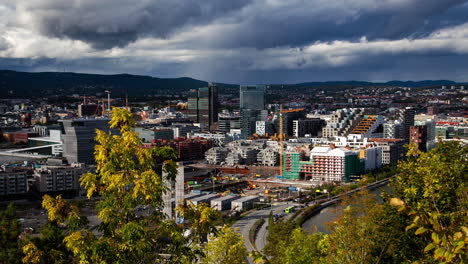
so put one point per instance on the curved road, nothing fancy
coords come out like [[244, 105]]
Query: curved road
[[245, 224]]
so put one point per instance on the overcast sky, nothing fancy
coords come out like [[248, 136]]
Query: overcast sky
[[240, 41]]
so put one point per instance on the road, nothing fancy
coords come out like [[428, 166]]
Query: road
[[245, 224]]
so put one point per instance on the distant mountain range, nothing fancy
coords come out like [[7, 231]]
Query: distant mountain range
[[426, 83], [15, 84]]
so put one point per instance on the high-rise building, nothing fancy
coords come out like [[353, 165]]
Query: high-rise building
[[430, 123], [252, 97], [175, 190], [78, 138], [249, 120], [418, 135], [203, 106], [406, 116]]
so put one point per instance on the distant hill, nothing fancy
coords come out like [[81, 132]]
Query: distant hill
[[15, 84], [37, 84], [427, 83]]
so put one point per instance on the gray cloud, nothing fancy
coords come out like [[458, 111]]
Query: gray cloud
[[296, 24], [242, 23], [111, 23]]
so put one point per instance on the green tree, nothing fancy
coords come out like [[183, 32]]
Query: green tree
[[357, 236], [10, 230], [431, 189], [227, 248], [49, 246], [301, 248], [127, 177], [278, 233]]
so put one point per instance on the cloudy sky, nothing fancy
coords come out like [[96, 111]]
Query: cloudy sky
[[240, 41]]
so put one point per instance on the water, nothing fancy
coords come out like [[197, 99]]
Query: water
[[319, 221]]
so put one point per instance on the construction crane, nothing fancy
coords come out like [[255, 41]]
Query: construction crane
[[281, 133]]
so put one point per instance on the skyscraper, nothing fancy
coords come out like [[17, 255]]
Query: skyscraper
[[252, 97], [203, 106], [252, 105], [78, 138], [406, 116]]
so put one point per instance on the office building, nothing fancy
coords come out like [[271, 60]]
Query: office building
[[203, 106], [252, 97], [249, 120], [406, 117], [78, 138]]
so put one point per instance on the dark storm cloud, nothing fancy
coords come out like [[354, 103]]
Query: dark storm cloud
[[111, 23], [311, 21], [251, 23]]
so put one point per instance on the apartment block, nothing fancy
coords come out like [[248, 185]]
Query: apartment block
[[311, 127], [58, 178], [342, 122], [369, 126], [13, 181], [332, 164], [216, 155], [418, 135]]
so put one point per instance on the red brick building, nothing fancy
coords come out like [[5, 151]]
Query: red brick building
[[186, 148]]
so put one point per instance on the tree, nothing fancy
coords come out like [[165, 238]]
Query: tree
[[10, 230], [127, 177], [227, 248], [357, 236], [287, 243], [431, 189], [49, 247], [278, 233], [301, 248]]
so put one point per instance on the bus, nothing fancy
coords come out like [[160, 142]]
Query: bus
[[290, 209]]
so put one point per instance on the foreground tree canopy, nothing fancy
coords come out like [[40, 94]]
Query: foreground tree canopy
[[127, 177]]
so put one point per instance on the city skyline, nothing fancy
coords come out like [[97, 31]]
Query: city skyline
[[240, 42]]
